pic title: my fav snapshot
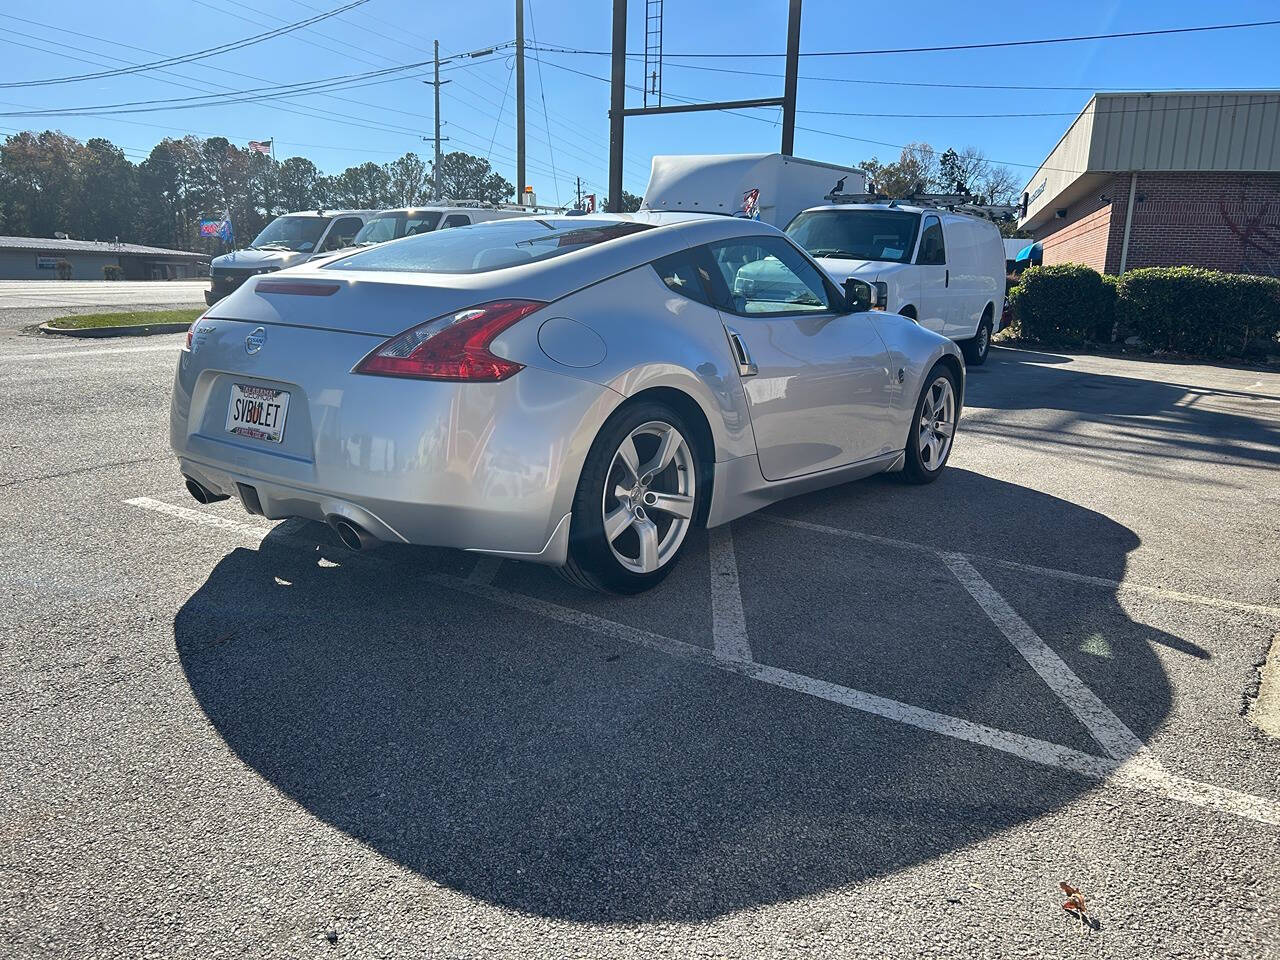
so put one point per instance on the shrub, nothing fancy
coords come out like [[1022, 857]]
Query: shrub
[[1204, 312], [64, 269], [1063, 304], [111, 271]]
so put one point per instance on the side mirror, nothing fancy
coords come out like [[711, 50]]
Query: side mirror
[[858, 295]]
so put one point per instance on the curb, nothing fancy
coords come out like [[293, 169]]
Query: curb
[[136, 330]]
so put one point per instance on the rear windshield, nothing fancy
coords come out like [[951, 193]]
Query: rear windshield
[[487, 246], [888, 235]]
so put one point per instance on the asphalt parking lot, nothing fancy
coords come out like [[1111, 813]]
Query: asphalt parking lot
[[873, 721]]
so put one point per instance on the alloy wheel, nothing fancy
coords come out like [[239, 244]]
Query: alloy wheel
[[937, 423], [648, 501]]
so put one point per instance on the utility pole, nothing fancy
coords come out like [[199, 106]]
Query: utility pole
[[789, 82], [617, 103], [520, 181], [578, 204], [435, 167]]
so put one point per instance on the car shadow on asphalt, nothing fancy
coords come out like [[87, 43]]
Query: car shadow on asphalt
[[1146, 417], [559, 771]]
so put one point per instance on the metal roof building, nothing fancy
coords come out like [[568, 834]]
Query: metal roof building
[[1142, 179], [36, 258]]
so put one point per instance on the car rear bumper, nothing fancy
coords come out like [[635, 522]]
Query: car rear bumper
[[445, 525], [491, 467]]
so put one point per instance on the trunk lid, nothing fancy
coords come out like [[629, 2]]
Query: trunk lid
[[372, 304]]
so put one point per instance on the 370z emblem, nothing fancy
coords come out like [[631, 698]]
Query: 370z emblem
[[254, 341]]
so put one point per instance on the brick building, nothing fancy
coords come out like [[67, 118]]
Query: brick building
[[1163, 179]]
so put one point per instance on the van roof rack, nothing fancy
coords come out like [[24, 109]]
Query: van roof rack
[[955, 202], [487, 205]]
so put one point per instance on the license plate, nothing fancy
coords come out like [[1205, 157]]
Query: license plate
[[257, 412]]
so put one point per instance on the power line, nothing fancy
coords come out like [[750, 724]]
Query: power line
[[341, 82], [498, 122], [749, 116], [296, 36], [351, 121], [304, 110], [565, 133], [885, 83], [963, 46], [542, 92], [459, 84], [898, 146], [1039, 88], [188, 57]]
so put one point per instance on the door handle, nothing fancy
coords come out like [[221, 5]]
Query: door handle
[[946, 281], [746, 366]]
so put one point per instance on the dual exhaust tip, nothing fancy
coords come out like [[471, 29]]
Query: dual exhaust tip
[[352, 535]]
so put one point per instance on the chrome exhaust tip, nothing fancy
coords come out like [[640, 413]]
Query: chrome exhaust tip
[[202, 494], [352, 535]]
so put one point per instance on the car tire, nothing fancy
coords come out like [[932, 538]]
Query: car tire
[[633, 510], [929, 448], [976, 348]]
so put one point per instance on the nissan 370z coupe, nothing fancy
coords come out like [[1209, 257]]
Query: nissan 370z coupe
[[576, 391]]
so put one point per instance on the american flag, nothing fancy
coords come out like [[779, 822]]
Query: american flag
[[261, 146], [751, 204]]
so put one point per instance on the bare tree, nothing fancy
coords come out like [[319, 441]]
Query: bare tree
[[915, 169]]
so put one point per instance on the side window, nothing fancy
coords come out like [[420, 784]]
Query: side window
[[767, 275], [932, 249], [421, 223], [343, 233], [455, 220], [683, 275]]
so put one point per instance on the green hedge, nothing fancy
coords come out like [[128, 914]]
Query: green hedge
[[1180, 309], [1204, 312], [1066, 304]]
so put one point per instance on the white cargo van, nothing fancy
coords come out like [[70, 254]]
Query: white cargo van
[[761, 186], [286, 241], [943, 269]]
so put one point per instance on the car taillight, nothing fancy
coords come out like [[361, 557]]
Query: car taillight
[[191, 330], [452, 347]]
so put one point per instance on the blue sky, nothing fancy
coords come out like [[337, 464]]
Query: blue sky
[[388, 119]]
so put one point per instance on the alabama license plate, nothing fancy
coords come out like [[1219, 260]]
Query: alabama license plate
[[257, 412]]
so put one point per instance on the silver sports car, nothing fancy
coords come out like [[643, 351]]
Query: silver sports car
[[572, 390]]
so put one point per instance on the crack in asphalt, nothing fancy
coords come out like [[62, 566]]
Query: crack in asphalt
[[78, 470]]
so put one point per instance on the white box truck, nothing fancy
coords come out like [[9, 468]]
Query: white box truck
[[764, 186]]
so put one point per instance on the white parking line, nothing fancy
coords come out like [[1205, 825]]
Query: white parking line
[[728, 621], [78, 352], [191, 515], [1108, 729], [485, 570], [1132, 774], [1126, 585]]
